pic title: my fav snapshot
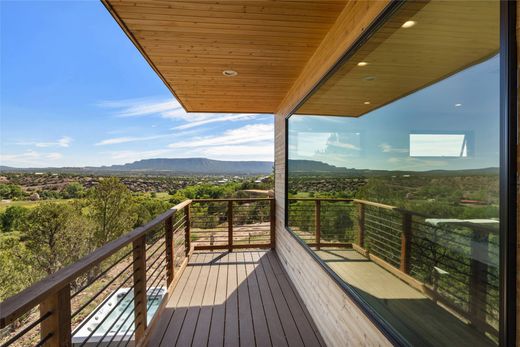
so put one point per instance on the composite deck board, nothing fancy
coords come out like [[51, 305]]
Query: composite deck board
[[216, 334], [231, 333], [276, 331], [286, 316], [192, 315], [261, 330], [305, 327], [242, 298], [159, 330], [245, 317], [201, 335], [415, 316]]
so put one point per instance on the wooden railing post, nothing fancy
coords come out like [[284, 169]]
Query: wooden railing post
[[230, 225], [272, 221], [317, 223], [170, 250], [478, 276], [139, 256], [58, 324], [406, 242], [187, 229], [361, 225]]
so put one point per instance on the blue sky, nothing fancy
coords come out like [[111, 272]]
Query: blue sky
[[74, 91], [463, 106]]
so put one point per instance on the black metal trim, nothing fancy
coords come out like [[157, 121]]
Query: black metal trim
[[508, 176]]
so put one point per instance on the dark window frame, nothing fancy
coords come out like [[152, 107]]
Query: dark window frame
[[508, 177]]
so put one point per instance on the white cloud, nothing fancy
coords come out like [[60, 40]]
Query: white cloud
[[250, 142], [54, 156], [214, 118], [386, 148], [408, 163], [118, 140], [253, 133], [247, 152], [64, 141], [29, 158], [169, 109], [142, 107]]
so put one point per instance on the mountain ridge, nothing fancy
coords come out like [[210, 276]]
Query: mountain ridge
[[169, 165]]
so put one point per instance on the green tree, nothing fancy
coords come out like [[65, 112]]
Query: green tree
[[16, 273], [10, 191], [56, 235], [73, 190], [13, 217], [147, 209], [111, 209]]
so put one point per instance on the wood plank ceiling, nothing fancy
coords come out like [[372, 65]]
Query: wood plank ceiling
[[448, 36], [191, 43]]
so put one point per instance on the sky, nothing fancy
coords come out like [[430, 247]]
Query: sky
[[74, 91], [451, 125]]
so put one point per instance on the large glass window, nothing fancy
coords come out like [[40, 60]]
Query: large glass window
[[393, 172]]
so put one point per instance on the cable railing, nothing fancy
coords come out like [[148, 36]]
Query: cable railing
[[107, 298], [455, 264], [232, 223], [112, 296], [322, 222]]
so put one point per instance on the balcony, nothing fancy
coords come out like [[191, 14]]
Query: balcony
[[220, 282], [183, 278]]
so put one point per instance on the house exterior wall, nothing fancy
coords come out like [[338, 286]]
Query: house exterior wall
[[339, 320], [337, 317]]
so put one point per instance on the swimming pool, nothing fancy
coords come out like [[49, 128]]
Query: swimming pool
[[108, 321]]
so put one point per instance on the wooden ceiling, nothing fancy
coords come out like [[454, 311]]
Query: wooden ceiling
[[190, 43], [448, 36]]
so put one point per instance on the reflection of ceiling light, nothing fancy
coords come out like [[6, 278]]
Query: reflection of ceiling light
[[362, 63], [369, 78], [367, 102], [408, 24], [229, 73], [458, 105]]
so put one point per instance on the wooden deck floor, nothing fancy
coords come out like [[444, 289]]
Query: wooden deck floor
[[415, 316], [243, 298]]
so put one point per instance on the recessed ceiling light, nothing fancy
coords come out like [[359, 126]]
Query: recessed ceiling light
[[367, 102], [458, 105], [229, 73], [362, 63], [408, 24]]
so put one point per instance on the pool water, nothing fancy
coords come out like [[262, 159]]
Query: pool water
[[116, 308]]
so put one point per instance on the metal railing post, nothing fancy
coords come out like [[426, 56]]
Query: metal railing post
[[361, 225], [406, 244], [139, 267], [478, 276], [317, 223], [230, 225], [170, 250], [272, 219], [187, 229]]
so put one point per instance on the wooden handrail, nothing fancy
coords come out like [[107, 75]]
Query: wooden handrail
[[396, 209], [322, 199], [232, 199], [15, 306]]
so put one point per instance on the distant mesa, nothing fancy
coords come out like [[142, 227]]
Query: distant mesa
[[202, 166]]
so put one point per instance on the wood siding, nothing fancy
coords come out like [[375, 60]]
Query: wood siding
[[339, 320]]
